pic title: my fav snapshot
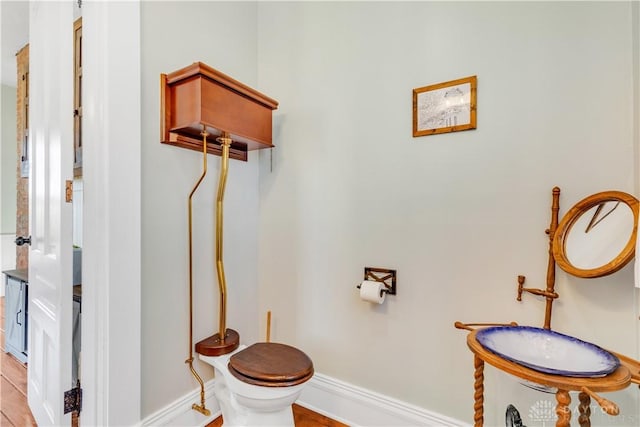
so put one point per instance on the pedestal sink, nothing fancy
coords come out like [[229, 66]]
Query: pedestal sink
[[552, 360], [548, 351]]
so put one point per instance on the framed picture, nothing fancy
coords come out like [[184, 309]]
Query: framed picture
[[445, 107]]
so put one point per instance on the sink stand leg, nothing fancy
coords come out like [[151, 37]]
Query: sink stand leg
[[562, 409], [478, 385], [585, 410]]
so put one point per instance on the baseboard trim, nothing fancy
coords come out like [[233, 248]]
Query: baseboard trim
[[338, 400], [179, 412], [357, 406]]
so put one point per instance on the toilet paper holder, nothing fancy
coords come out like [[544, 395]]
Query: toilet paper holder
[[382, 275]]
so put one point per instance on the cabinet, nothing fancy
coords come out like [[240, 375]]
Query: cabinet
[[16, 316], [198, 95]]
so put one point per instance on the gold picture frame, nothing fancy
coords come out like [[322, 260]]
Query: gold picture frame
[[445, 107]]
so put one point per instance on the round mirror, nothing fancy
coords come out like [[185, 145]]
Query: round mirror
[[597, 236]]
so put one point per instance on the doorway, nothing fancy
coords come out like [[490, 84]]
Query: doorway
[[15, 180]]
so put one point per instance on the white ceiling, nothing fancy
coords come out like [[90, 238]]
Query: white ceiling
[[14, 36]]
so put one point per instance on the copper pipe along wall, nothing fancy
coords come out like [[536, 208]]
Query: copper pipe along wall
[[200, 408], [225, 142]]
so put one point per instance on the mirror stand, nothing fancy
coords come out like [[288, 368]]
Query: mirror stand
[[549, 293]]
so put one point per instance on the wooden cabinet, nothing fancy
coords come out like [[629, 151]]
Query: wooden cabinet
[[16, 316], [198, 96]]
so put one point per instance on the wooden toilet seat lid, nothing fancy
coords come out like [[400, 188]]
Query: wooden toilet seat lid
[[271, 365]]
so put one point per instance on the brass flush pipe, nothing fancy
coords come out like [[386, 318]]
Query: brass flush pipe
[[225, 141], [200, 408]]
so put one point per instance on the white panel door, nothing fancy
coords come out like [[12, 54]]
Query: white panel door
[[50, 257]]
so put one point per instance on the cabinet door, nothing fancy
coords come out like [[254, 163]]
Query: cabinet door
[[15, 317]]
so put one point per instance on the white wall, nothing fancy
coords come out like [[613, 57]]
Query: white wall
[[174, 35], [458, 215], [8, 178], [111, 294]]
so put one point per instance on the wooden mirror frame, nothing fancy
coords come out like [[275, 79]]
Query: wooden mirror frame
[[570, 218]]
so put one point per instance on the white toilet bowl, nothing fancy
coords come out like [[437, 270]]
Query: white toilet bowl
[[245, 404]]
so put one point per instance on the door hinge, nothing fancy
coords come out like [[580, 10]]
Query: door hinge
[[68, 191], [73, 399]]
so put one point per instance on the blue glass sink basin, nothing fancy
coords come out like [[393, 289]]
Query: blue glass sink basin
[[547, 351]]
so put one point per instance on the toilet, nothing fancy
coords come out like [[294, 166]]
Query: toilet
[[256, 385]]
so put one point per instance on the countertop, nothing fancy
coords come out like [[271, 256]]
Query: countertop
[[21, 274]]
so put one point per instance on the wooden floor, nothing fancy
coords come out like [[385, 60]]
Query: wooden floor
[[302, 417], [14, 410]]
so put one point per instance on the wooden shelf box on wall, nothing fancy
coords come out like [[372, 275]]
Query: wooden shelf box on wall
[[199, 95]]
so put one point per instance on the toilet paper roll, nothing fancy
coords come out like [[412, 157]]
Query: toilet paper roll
[[372, 291]]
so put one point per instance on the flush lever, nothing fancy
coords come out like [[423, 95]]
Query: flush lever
[[21, 240]]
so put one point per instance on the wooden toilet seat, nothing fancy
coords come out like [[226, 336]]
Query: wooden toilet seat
[[271, 365]]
